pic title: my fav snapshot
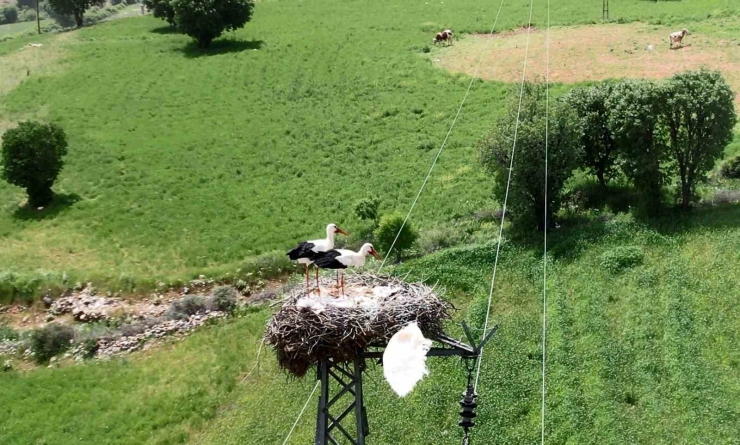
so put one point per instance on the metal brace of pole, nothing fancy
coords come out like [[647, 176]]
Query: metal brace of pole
[[605, 10]]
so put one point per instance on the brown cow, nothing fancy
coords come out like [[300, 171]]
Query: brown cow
[[444, 36], [677, 37]]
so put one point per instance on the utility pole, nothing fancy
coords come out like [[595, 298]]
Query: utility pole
[[38, 16], [605, 10]]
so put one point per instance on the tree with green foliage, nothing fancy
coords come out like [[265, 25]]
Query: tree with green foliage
[[75, 8], [635, 119], [527, 191], [162, 9], [731, 168], [386, 232], [205, 20], [32, 157], [699, 115], [8, 14], [367, 209], [598, 148]]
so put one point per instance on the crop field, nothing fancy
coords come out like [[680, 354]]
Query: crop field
[[183, 161]]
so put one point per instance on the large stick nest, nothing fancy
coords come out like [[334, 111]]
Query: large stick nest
[[309, 328]]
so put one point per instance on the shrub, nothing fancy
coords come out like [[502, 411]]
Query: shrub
[[387, 230], [8, 14], [205, 20], [27, 15], [115, 2], [32, 158], [440, 238], [162, 9], [26, 4], [598, 148], [527, 190], [635, 119], [74, 8], [731, 168], [367, 209], [700, 115], [621, 258], [8, 333], [50, 340], [182, 309], [223, 299]]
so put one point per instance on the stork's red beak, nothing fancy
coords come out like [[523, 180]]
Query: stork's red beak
[[341, 231], [375, 254]]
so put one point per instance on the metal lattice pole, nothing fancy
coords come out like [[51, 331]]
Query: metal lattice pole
[[605, 10]]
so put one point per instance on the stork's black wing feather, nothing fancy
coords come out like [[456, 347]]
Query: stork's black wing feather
[[303, 250], [328, 260]]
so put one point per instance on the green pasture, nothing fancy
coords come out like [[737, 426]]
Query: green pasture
[[183, 162]]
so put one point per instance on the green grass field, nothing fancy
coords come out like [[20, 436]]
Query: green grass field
[[182, 161], [646, 355]]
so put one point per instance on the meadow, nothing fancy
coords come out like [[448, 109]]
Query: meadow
[[642, 354], [183, 162]]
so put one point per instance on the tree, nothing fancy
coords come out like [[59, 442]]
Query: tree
[[699, 115], [205, 20], [162, 9], [387, 230], [8, 14], [74, 8], [32, 158], [527, 190], [598, 147], [367, 209], [635, 119]]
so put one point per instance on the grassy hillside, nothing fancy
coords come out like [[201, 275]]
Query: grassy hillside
[[646, 354], [182, 161]]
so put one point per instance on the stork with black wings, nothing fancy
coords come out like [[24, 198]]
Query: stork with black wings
[[306, 252], [339, 259]]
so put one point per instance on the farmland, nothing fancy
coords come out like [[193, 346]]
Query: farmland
[[185, 161]]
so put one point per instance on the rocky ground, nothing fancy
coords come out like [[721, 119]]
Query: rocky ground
[[135, 324]]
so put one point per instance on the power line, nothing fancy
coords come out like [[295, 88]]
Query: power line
[[544, 259], [444, 142], [315, 387], [506, 196]]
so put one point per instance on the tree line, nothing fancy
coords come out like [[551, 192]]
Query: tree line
[[649, 132]]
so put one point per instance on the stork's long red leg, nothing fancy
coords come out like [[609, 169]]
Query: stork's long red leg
[[306, 276], [317, 278]]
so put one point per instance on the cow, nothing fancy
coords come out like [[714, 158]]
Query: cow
[[444, 36], [677, 37]]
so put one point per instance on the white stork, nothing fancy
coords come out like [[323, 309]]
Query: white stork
[[306, 252], [342, 258]]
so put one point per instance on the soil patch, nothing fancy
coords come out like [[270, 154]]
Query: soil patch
[[587, 53]]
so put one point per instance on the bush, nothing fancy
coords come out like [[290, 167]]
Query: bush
[[50, 340], [699, 115], [27, 15], [388, 229], [8, 14], [223, 299], [63, 9], [440, 238], [8, 333], [115, 2], [26, 4], [32, 158], [162, 9], [621, 258], [598, 148], [205, 20], [182, 309], [636, 107], [367, 209], [731, 168], [527, 190]]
